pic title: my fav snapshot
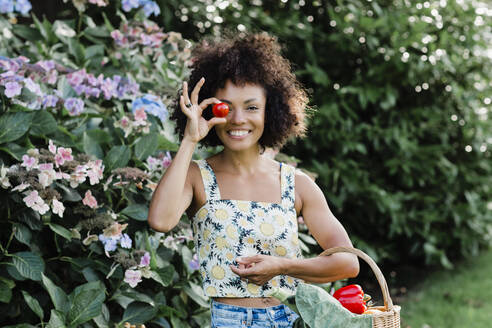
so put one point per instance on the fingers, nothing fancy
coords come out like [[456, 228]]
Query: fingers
[[208, 102], [196, 90], [184, 109], [216, 120], [185, 93]]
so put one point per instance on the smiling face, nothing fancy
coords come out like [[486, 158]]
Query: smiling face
[[246, 118]]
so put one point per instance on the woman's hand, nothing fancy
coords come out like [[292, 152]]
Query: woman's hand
[[197, 127], [258, 269]]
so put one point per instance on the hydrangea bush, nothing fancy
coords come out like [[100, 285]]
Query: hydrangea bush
[[84, 140]]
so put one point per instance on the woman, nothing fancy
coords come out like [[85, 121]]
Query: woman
[[244, 206]]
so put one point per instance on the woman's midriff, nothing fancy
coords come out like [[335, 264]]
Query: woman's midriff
[[256, 302]]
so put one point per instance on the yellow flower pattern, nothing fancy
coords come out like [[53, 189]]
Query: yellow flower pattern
[[226, 229]]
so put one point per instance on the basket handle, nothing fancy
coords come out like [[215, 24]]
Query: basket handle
[[388, 303]]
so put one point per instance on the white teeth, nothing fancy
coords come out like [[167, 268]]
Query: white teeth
[[238, 133]]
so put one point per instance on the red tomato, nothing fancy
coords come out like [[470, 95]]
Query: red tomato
[[220, 110]]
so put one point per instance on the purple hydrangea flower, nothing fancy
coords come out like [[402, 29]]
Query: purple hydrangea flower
[[109, 88], [22, 6], [75, 106], [49, 101], [145, 260], [152, 105], [12, 89], [129, 4], [194, 264], [126, 241], [6, 6], [33, 86]]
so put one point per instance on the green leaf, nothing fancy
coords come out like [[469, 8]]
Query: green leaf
[[91, 146], [164, 275], [165, 144], [146, 146], [33, 304], [57, 320], [57, 295], [45, 29], [5, 292], [117, 157], [86, 303], [14, 273], [76, 49], [13, 126], [14, 150], [99, 136], [43, 124], [69, 194], [94, 50], [22, 234], [196, 293], [319, 310], [27, 32], [138, 313], [137, 212], [102, 320], [29, 265], [62, 231]]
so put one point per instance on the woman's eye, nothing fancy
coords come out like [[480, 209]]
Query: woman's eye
[[252, 108]]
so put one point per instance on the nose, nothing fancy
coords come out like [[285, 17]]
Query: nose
[[237, 116]]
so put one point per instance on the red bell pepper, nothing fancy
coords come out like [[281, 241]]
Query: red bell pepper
[[352, 298]]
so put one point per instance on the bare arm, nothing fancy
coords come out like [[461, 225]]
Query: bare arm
[[325, 228], [174, 193]]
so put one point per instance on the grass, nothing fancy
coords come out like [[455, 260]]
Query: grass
[[461, 297]]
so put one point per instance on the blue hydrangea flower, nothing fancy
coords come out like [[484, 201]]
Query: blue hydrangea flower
[[6, 6], [108, 242], [152, 105], [150, 7], [22, 6], [126, 241], [75, 106], [129, 4]]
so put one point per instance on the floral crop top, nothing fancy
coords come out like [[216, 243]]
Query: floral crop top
[[225, 229]]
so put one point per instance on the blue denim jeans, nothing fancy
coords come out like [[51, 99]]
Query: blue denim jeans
[[231, 316]]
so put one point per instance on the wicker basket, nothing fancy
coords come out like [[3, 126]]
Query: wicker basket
[[390, 317]]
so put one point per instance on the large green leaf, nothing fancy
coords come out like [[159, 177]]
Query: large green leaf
[[29, 265], [14, 150], [100, 136], [146, 146], [57, 320], [319, 310], [57, 295], [69, 193], [22, 234], [91, 146], [27, 32], [119, 156], [138, 212], [102, 320], [85, 303], [43, 123], [163, 275], [62, 231], [138, 313], [165, 144], [5, 291], [14, 125], [33, 304]]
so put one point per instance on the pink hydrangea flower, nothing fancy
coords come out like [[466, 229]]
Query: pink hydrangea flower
[[28, 162], [140, 114], [52, 147], [95, 171], [21, 187], [166, 161], [89, 200], [133, 277], [57, 207], [34, 201]]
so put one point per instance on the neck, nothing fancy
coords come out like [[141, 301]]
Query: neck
[[246, 161]]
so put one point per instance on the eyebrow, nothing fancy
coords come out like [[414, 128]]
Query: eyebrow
[[246, 101]]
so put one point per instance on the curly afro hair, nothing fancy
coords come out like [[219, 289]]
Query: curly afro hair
[[251, 59]]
